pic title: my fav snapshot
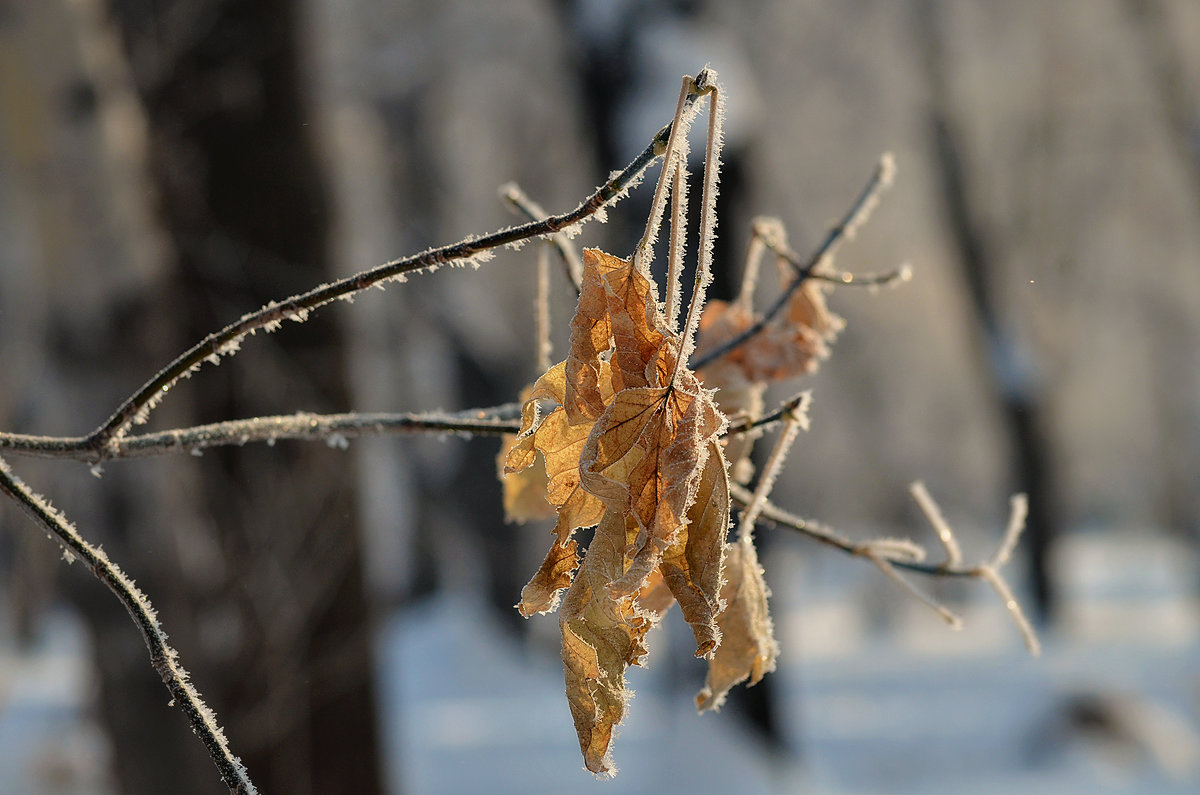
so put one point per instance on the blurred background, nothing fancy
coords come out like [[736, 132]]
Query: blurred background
[[166, 165]]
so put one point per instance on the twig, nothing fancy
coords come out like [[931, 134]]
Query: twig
[[304, 426], [519, 201], [226, 341], [891, 555], [793, 421], [843, 230], [794, 405], [934, 516], [164, 658], [332, 428], [1018, 512], [543, 349], [491, 421], [888, 567], [1028, 635]]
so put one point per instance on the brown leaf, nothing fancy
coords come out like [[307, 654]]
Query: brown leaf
[[559, 444], [748, 648], [540, 594], [601, 636], [524, 485], [793, 343], [632, 446], [638, 330], [692, 566], [591, 336], [654, 596]]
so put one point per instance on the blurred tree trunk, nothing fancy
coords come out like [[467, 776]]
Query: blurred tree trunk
[[1010, 371], [281, 642], [1162, 51], [88, 307]]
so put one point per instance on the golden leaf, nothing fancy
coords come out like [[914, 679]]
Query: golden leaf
[[540, 594], [524, 485], [692, 567], [748, 648], [602, 635], [559, 444], [793, 343], [654, 596], [632, 446]]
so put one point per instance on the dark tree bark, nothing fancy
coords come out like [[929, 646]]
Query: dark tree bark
[[245, 208]]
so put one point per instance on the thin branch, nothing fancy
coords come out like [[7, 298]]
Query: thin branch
[[794, 405], [304, 426], [520, 202], [334, 429], [898, 548], [1018, 512], [793, 421], [891, 555], [933, 514], [164, 658], [845, 229], [817, 531], [888, 567], [330, 428], [765, 232], [541, 313], [705, 81], [226, 341], [989, 574]]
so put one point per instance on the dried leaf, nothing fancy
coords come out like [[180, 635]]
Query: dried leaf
[[655, 597], [633, 446], [541, 593], [591, 336], [559, 444], [748, 648], [692, 567], [794, 342], [524, 485], [601, 636]]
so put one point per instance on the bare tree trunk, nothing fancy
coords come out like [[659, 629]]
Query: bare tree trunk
[[245, 207], [1012, 382], [1180, 110]]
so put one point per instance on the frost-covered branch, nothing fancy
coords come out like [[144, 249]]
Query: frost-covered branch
[[334, 429], [794, 405], [844, 230], [892, 555], [520, 202], [164, 658], [226, 342]]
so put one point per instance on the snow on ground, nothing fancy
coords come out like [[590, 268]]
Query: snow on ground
[[48, 744], [877, 695], [886, 702]]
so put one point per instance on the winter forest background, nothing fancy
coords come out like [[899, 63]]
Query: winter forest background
[[166, 165]]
